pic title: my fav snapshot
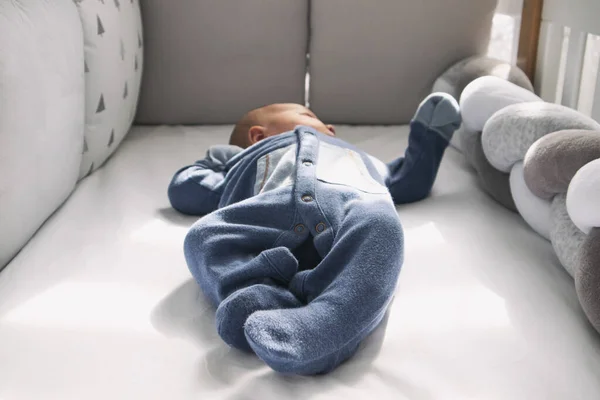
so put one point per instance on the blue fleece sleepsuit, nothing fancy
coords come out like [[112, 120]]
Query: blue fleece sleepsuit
[[301, 246]]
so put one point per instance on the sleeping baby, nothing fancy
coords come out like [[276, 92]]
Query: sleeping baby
[[301, 246]]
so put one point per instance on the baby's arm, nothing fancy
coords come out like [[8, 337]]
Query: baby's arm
[[196, 189]]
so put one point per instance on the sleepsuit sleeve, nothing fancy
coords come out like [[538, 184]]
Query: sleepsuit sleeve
[[196, 189]]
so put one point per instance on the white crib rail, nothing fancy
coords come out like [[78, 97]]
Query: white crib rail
[[568, 55], [578, 14]]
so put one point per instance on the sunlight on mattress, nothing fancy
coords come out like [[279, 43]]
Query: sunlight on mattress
[[159, 231], [451, 309], [426, 235], [88, 306]]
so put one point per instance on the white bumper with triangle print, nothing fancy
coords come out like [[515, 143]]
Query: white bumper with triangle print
[[70, 74], [112, 32], [41, 114]]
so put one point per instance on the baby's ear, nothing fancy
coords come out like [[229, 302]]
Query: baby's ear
[[256, 134], [331, 128]]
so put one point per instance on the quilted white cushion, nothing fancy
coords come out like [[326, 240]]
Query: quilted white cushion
[[583, 197], [41, 114], [113, 70], [373, 62], [534, 210], [211, 61]]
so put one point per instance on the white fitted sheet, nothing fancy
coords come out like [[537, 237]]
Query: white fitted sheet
[[101, 305]]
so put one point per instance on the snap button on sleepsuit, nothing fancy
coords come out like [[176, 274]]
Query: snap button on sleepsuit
[[320, 227]]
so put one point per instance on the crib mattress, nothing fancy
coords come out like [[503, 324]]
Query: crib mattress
[[100, 304]]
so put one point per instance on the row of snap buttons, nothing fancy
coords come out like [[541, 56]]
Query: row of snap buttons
[[307, 198], [320, 227]]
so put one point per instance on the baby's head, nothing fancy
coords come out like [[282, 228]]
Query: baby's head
[[273, 120]]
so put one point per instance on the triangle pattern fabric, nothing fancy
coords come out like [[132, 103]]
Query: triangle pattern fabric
[[100, 26], [101, 106], [112, 64]]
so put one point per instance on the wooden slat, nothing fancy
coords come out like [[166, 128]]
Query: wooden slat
[[562, 66], [596, 107], [529, 37], [588, 76], [582, 15], [548, 61], [575, 55], [516, 37]]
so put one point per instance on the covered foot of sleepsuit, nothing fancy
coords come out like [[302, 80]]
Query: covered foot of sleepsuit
[[411, 177]]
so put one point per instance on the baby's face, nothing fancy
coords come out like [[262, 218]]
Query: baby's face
[[281, 118]]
